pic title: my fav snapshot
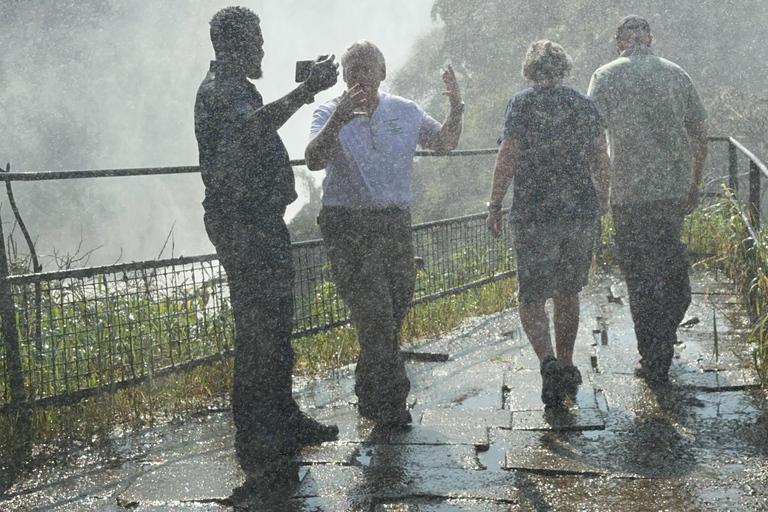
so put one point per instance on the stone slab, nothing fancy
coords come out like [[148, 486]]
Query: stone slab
[[201, 478], [450, 505], [400, 482], [323, 504], [464, 426], [353, 428], [471, 381], [546, 462], [568, 420], [729, 380], [419, 456], [180, 507], [330, 453], [444, 435], [522, 389]]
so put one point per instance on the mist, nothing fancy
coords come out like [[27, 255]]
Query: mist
[[111, 84]]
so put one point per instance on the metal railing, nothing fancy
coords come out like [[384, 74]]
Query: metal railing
[[751, 211], [73, 334]]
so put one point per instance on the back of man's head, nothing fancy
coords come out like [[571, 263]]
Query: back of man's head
[[231, 27], [634, 30]]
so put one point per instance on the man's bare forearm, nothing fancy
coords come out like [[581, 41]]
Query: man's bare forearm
[[600, 169], [448, 137], [699, 144]]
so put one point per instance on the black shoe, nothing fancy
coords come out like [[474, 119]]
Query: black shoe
[[551, 388], [309, 431], [571, 380], [394, 418], [387, 417], [652, 374], [268, 488]]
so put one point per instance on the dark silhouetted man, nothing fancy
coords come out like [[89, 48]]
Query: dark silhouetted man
[[248, 184], [658, 145]]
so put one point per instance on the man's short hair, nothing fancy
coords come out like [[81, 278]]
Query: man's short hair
[[546, 60], [632, 23], [364, 47], [231, 26]]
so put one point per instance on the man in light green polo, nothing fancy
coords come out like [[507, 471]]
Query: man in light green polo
[[657, 140]]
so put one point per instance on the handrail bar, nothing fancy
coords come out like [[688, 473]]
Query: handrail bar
[[149, 171], [760, 165]]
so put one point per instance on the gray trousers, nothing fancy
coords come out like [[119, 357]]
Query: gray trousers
[[654, 262], [255, 251], [371, 254]]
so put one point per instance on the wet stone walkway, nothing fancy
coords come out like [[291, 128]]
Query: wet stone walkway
[[481, 440]]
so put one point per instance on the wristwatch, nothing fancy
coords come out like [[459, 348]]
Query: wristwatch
[[494, 207]]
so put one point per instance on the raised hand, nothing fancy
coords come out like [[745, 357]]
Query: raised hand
[[352, 104], [452, 87]]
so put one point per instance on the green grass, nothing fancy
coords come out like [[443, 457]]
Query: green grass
[[141, 332]]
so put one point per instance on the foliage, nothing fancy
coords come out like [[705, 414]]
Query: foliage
[[486, 41]]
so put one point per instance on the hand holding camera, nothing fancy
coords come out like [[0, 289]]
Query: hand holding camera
[[318, 75]]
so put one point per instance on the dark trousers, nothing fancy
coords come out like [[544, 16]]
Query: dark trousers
[[654, 262], [371, 254], [255, 251]]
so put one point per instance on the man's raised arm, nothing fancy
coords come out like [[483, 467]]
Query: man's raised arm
[[448, 137], [273, 116]]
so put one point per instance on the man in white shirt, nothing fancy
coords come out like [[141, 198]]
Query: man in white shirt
[[366, 139]]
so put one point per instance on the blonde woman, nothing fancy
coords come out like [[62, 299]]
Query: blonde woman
[[553, 144]]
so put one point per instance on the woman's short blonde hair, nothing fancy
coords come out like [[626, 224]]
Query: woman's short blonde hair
[[546, 60]]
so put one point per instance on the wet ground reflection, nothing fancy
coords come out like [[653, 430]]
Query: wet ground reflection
[[480, 440]]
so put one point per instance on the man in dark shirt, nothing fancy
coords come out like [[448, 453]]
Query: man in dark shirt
[[248, 184], [554, 146]]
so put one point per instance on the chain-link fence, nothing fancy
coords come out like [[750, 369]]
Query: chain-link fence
[[99, 329]]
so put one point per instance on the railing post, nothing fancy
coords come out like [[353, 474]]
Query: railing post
[[733, 168], [754, 194], [9, 331]]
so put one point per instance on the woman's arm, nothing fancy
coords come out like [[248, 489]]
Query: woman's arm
[[503, 173]]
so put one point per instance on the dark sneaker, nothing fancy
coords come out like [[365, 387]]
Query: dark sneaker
[[386, 417], [367, 411], [652, 374], [269, 488], [394, 418], [551, 389], [571, 380], [310, 432]]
